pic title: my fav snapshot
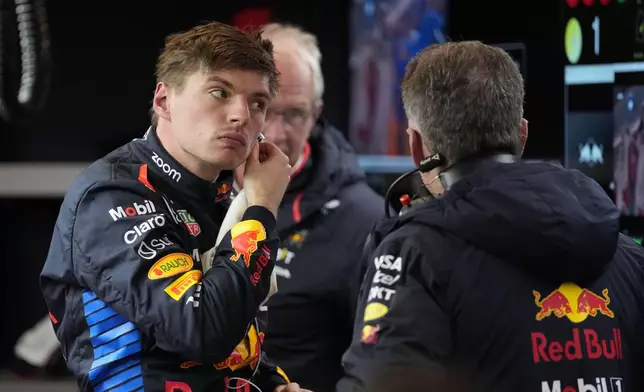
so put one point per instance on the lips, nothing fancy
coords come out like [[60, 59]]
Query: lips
[[233, 138]]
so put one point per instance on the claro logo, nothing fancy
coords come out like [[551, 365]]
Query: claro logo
[[137, 231], [167, 169]]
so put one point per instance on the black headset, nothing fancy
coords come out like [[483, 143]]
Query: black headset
[[426, 165], [25, 57], [454, 172]]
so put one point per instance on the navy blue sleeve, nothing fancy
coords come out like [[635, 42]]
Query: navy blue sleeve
[[161, 288], [401, 335], [270, 376]]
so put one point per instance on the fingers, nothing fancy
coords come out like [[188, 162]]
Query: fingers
[[270, 152], [292, 387], [254, 155], [269, 149]]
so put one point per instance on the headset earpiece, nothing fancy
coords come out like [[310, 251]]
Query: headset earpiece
[[431, 162]]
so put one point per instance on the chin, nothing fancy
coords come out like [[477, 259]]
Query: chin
[[229, 163], [225, 159], [225, 164], [230, 166]]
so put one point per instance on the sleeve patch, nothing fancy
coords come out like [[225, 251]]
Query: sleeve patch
[[170, 265], [179, 287], [244, 238]]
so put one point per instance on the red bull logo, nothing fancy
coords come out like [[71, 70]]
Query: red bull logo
[[576, 304], [370, 334], [584, 343], [262, 261], [244, 238], [572, 302], [222, 192], [189, 364], [246, 353], [297, 238]]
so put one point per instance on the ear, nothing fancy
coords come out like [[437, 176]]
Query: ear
[[160, 101], [524, 133], [415, 146]]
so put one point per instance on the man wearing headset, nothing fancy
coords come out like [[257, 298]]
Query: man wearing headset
[[514, 277]]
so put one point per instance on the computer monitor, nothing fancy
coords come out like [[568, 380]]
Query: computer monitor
[[603, 41], [385, 35], [628, 143]]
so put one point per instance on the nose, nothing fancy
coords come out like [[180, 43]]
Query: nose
[[239, 112]]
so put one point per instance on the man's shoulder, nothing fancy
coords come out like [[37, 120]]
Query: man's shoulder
[[353, 214], [361, 201], [422, 242], [407, 237], [629, 253], [118, 170]]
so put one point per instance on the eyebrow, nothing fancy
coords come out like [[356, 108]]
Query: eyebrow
[[218, 79], [213, 78]]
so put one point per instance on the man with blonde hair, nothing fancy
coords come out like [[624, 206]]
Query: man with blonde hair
[[323, 220], [129, 297]]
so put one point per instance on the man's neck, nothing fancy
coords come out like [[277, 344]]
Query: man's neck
[[191, 163], [432, 182]]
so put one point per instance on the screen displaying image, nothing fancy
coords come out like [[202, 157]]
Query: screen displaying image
[[589, 131], [385, 35], [628, 143]]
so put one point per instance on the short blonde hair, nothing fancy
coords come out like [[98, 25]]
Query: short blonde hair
[[214, 46], [306, 45]]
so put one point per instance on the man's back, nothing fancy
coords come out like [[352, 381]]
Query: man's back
[[517, 279]]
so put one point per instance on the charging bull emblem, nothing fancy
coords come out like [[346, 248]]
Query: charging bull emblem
[[572, 302], [244, 238], [246, 353], [223, 192]]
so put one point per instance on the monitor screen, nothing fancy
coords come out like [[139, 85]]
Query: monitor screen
[[602, 39], [385, 35], [628, 143]]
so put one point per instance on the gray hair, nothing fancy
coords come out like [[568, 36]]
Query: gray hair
[[306, 46], [466, 98]]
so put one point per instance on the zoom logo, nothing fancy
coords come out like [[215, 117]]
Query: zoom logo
[[167, 169]]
